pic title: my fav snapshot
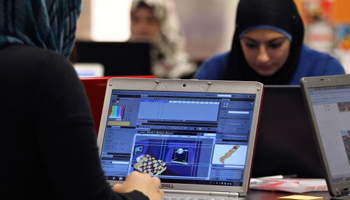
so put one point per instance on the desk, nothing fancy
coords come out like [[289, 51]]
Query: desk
[[267, 195]]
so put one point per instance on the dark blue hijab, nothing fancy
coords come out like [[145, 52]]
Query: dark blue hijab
[[282, 14], [49, 24]]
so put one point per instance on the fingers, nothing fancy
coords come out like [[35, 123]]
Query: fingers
[[156, 180], [117, 188], [142, 182], [161, 193]]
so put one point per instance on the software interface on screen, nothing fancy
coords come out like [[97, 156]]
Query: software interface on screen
[[332, 111], [179, 137]]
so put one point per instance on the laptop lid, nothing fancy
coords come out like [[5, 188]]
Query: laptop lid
[[117, 58], [328, 100], [197, 136], [285, 143]]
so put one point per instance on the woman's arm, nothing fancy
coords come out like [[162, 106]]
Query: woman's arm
[[65, 135]]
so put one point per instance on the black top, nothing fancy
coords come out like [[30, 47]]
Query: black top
[[47, 143]]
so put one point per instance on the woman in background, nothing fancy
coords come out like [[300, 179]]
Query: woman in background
[[155, 22], [48, 146], [268, 47]]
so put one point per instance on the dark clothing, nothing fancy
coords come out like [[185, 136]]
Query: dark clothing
[[48, 145], [280, 14]]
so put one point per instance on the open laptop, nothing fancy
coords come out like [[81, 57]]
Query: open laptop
[[197, 136], [328, 102], [117, 58], [285, 143]]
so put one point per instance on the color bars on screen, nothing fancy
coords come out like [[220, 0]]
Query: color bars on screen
[[116, 112]]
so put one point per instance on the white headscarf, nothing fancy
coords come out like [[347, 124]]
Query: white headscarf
[[169, 43]]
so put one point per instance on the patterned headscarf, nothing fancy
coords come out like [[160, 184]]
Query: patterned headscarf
[[49, 24]]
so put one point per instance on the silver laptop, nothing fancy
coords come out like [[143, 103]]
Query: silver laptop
[[328, 103], [197, 136]]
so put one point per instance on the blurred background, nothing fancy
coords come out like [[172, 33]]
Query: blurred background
[[208, 25]]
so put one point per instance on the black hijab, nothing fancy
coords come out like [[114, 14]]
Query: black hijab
[[282, 14]]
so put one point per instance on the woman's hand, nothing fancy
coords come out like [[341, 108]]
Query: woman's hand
[[144, 183]]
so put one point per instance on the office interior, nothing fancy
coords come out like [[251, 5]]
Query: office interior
[[208, 25]]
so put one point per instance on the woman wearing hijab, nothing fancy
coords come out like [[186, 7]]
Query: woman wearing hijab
[[47, 143], [268, 47], [154, 21]]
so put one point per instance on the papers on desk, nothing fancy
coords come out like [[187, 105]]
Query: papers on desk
[[293, 185], [299, 197]]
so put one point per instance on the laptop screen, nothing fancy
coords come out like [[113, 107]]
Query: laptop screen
[[331, 107], [181, 137]]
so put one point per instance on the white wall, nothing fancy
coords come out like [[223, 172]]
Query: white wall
[[206, 24]]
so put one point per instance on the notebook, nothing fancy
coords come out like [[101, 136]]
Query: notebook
[[95, 88], [328, 102], [197, 136], [285, 143], [117, 58]]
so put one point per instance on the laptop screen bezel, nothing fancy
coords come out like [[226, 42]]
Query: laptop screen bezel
[[322, 82], [191, 86]]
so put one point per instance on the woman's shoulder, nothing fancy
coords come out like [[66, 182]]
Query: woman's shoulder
[[33, 54], [36, 66], [17, 54], [212, 68], [221, 58], [31, 58], [315, 63], [319, 62], [312, 56]]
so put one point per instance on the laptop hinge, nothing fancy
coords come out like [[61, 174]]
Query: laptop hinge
[[344, 192], [234, 194], [344, 195], [219, 194]]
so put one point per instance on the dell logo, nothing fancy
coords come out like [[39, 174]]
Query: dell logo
[[167, 186]]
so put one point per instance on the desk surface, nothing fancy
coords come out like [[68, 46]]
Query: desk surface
[[267, 195]]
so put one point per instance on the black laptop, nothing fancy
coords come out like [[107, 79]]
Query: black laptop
[[117, 58], [285, 143], [328, 102]]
